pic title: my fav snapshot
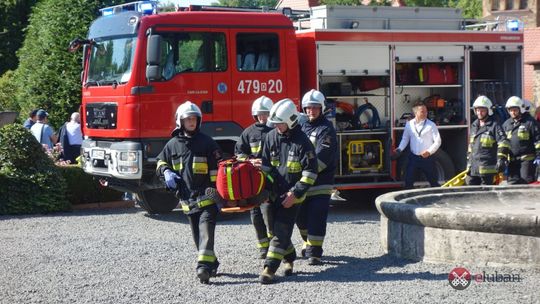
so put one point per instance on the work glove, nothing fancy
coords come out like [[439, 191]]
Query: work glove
[[537, 161], [170, 179], [502, 163], [396, 154]]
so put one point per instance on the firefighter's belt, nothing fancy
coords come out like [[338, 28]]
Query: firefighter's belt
[[188, 206]]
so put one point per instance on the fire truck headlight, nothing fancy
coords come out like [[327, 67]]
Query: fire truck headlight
[[133, 169], [129, 156]]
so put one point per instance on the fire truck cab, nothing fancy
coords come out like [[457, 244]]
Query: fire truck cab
[[372, 63]]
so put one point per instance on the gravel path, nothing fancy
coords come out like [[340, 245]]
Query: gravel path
[[126, 256]]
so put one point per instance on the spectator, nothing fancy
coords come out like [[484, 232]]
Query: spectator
[[424, 139], [70, 136], [43, 133], [32, 117]]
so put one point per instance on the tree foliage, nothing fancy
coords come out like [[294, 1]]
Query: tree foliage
[[13, 19], [48, 75], [29, 180]]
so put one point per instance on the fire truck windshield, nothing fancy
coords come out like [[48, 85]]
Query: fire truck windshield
[[111, 61]]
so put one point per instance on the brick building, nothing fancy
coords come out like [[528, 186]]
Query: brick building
[[529, 12]]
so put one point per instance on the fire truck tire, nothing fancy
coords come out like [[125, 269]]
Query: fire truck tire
[[157, 201]]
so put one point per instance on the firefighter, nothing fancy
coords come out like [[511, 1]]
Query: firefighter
[[188, 164], [289, 161], [311, 220], [488, 147], [249, 147], [524, 137]]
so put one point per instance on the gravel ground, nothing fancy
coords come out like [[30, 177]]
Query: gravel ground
[[126, 256]]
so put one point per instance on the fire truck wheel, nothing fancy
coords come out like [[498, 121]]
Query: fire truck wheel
[[157, 201]]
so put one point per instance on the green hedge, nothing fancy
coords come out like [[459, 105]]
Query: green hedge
[[83, 188], [29, 180]]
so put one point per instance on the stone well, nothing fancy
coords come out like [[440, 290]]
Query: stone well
[[480, 225]]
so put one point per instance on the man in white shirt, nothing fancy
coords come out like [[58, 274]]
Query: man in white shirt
[[71, 138], [43, 133], [424, 139]]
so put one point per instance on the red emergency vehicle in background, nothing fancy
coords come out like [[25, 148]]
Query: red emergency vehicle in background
[[372, 63]]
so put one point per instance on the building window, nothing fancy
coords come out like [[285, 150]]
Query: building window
[[495, 5], [522, 4], [509, 5]]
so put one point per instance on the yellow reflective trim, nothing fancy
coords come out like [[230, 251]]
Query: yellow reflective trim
[[307, 180], [314, 243], [200, 168], [229, 182], [299, 200], [178, 166], [487, 141], [487, 170], [185, 208], [213, 178], [263, 245], [274, 255], [275, 163], [206, 258], [161, 163], [255, 149], [319, 192], [504, 145], [270, 178], [537, 146], [523, 135], [294, 166], [205, 203]]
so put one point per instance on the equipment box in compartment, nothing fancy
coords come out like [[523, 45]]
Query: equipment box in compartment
[[364, 154]]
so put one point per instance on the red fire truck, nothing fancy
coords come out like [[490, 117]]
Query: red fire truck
[[372, 63]]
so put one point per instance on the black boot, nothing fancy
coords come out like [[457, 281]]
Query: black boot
[[214, 271], [203, 275]]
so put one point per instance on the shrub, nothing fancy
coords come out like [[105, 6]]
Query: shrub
[[83, 188], [30, 182]]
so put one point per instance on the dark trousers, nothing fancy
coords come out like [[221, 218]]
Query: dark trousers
[[261, 217], [71, 152], [203, 227], [311, 221], [520, 172], [281, 247], [480, 180], [425, 165]]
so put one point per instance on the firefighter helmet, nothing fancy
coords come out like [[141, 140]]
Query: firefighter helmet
[[483, 102], [261, 105], [284, 111], [183, 111], [313, 98], [515, 102], [528, 106]]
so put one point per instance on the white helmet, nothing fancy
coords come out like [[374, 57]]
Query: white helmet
[[313, 98], [186, 109], [262, 104], [284, 111], [483, 102], [528, 106], [515, 102]]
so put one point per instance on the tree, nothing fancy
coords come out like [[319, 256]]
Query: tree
[[470, 8], [48, 75], [13, 19]]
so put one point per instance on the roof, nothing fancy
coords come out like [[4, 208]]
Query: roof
[[531, 46]]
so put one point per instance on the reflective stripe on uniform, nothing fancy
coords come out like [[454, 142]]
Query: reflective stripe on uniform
[[261, 184], [322, 165], [206, 256], [241, 156], [299, 200], [275, 253], [308, 177], [315, 240], [200, 166], [213, 175], [255, 147], [487, 141], [263, 243], [320, 190], [526, 157], [293, 165], [487, 169], [161, 163], [303, 232], [523, 134]]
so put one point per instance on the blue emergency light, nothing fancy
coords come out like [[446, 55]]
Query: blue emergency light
[[513, 25], [143, 7]]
